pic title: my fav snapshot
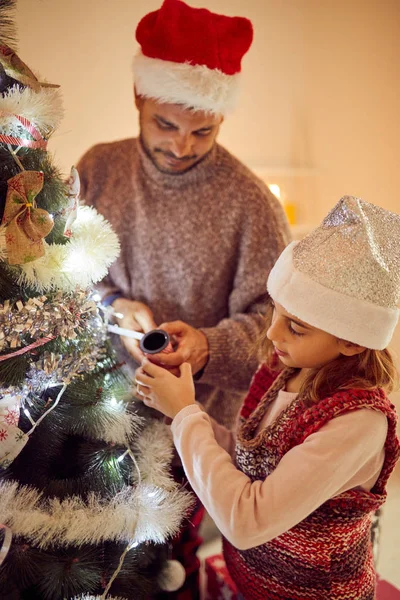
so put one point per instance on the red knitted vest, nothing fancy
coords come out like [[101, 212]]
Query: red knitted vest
[[328, 555]]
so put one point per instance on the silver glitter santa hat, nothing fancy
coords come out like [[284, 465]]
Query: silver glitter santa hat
[[344, 277]]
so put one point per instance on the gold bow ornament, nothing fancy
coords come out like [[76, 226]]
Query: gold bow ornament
[[26, 226]]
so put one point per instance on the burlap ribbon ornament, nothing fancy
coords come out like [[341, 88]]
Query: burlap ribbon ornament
[[26, 225]]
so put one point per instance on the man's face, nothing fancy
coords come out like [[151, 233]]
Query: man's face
[[175, 138]]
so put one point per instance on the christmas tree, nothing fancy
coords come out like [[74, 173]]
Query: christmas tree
[[87, 502]]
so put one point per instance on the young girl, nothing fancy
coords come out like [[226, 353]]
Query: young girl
[[294, 490]]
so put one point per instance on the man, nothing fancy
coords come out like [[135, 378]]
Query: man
[[199, 232]]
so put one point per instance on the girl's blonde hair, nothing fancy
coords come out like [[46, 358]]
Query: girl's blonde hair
[[368, 370]]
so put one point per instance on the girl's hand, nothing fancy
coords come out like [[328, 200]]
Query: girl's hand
[[162, 390]]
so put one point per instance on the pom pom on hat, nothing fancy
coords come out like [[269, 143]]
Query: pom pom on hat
[[344, 277], [191, 56]]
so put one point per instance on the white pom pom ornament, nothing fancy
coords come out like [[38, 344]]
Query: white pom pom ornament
[[82, 261], [172, 577]]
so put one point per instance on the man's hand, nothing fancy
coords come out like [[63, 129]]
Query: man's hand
[[136, 316], [163, 391], [190, 345]]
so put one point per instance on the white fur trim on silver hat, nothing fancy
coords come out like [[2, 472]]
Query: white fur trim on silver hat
[[194, 86], [345, 317]]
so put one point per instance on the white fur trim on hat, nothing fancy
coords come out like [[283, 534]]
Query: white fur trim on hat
[[194, 86], [345, 317]]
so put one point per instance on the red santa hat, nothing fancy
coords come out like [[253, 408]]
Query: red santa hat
[[191, 56]]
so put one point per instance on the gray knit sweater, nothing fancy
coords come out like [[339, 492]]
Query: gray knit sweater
[[196, 247]]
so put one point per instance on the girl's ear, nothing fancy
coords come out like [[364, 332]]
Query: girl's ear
[[350, 349]]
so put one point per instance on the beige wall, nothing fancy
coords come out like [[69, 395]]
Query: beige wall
[[319, 110], [320, 94]]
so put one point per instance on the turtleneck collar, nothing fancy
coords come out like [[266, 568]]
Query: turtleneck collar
[[202, 171]]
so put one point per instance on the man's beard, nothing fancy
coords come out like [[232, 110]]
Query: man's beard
[[158, 151]]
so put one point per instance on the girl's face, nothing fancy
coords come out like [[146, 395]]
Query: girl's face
[[300, 345]]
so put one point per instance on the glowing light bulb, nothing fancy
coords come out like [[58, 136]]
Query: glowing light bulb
[[275, 189], [121, 458], [133, 545], [28, 414]]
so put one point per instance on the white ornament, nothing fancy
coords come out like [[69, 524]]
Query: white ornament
[[172, 577], [82, 261]]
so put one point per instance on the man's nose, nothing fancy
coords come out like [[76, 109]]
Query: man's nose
[[181, 146]]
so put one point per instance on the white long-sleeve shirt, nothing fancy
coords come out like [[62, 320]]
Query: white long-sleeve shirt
[[346, 453]]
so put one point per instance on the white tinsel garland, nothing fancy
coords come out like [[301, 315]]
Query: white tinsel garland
[[116, 425], [43, 109], [45, 274], [154, 450], [139, 514], [81, 262], [94, 242]]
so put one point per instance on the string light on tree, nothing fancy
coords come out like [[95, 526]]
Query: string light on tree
[[70, 503]]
